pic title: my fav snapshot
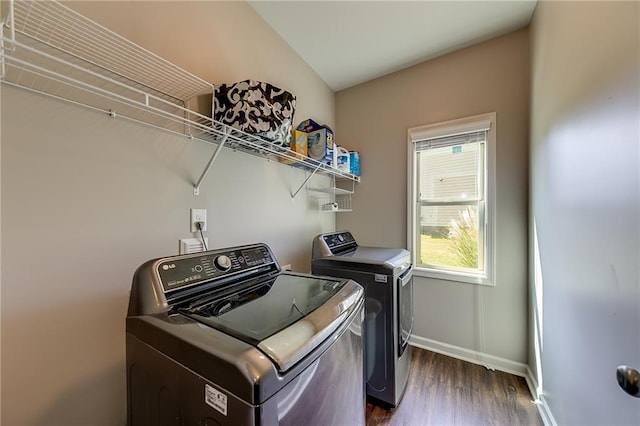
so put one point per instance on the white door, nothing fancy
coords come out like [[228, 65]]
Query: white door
[[585, 204]]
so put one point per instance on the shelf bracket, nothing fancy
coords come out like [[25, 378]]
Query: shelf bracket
[[305, 181], [196, 187]]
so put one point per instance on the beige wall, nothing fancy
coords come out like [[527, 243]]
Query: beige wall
[[585, 208], [87, 198], [373, 118]]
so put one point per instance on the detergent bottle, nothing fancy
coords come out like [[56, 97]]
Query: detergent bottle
[[342, 160]]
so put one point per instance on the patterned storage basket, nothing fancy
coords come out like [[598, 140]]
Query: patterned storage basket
[[257, 108]]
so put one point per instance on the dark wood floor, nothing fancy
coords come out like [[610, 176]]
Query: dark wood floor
[[447, 391]]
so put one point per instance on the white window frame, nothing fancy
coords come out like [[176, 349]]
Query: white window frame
[[450, 128]]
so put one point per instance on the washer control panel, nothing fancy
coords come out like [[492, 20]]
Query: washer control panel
[[190, 270]]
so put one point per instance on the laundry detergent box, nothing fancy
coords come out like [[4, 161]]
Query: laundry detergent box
[[298, 148], [320, 144], [299, 142], [309, 125]]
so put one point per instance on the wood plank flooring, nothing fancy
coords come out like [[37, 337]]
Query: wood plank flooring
[[448, 391]]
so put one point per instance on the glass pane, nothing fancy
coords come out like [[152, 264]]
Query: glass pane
[[449, 173], [449, 238]]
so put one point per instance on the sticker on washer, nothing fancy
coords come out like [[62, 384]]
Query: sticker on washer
[[215, 398], [381, 278]]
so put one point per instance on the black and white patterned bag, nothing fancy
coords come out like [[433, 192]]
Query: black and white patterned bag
[[257, 108]]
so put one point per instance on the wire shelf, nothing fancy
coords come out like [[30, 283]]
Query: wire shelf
[[335, 198], [48, 48], [336, 191]]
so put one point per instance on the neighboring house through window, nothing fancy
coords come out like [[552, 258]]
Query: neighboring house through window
[[451, 199]]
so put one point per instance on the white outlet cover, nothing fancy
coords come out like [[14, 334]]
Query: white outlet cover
[[198, 215]]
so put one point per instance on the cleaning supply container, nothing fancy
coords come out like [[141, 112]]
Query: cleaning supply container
[[343, 162], [354, 162]]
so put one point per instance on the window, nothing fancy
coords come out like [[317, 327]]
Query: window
[[451, 186]]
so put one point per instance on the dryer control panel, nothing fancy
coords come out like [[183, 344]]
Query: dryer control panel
[[191, 270], [339, 241]]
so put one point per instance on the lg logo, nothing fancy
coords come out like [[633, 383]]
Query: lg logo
[[166, 266]]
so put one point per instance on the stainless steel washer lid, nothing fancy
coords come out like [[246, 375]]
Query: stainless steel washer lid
[[286, 317], [290, 345]]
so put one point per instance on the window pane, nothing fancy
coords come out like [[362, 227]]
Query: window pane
[[449, 173], [449, 237], [451, 187]]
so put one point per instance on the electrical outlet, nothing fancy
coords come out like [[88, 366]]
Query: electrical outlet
[[198, 215]]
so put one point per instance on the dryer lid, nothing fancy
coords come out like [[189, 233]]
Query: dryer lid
[[368, 259], [392, 257], [340, 250]]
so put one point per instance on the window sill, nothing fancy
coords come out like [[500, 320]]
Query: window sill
[[453, 276]]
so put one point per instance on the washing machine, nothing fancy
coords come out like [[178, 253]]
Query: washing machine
[[387, 277], [224, 337]]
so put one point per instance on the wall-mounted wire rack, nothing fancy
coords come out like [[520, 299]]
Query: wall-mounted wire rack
[[48, 48], [337, 197]]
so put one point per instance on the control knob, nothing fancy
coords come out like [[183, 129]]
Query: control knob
[[222, 262]]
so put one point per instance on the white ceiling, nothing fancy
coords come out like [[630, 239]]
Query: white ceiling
[[350, 42]]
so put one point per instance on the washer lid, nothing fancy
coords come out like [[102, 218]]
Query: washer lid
[[286, 317]]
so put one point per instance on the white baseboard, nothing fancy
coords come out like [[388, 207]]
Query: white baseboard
[[545, 412], [492, 362], [541, 402], [489, 361]]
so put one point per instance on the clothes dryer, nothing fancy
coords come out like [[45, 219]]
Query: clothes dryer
[[387, 277]]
